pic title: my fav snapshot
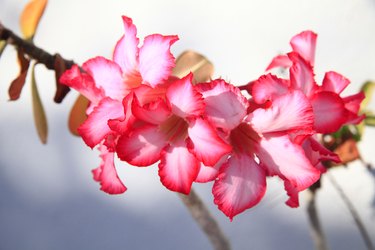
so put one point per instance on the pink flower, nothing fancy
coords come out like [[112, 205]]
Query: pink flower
[[261, 144], [331, 111], [176, 133], [109, 84]]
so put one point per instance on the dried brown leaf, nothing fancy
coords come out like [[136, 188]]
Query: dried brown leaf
[[61, 90], [347, 151], [78, 114], [40, 119], [17, 84], [30, 17], [190, 61]]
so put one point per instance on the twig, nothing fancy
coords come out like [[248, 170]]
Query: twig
[[315, 226], [53, 62], [29, 48], [205, 220], [353, 212]]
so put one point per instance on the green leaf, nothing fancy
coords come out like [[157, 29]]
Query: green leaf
[[3, 44], [40, 119], [370, 120], [368, 88]]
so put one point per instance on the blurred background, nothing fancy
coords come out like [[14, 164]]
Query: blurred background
[[48, 199]]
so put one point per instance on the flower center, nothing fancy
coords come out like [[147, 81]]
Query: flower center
[[243, 138], [175, 128]]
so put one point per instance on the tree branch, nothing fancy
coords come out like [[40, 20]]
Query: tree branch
[[53, 62], [357, 219], [205, 220], [316, 230], [30, 49]]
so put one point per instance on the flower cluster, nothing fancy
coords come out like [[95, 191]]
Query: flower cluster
[[210, 131]]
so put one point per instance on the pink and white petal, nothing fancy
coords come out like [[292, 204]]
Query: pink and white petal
[[142, 147], [241, 184], [205, 143], [178, 168], [83, 83], [334, 82], [268, 87], [146, 94], [96, 128], [292, 192], [282, 61], [185, 100], [289, 112], [207, 174], [155, 112], [316, 153], [225, 105], [329, 112], [108, 76], [302, 75], [279, 156], [304, 44], [353, 102], [324, 153], [155, 59], [125, 123], [126, 50], [106, 174]]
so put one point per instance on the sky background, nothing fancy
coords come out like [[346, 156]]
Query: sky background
[[48, 199]]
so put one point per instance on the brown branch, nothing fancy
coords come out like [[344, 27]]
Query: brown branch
[[29, 48], [205, 220], [38, 54], [316, 230], [357, 219]]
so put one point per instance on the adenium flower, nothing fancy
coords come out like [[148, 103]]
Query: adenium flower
[[107, 83], [261, 145], [176, 133], [331, 110], [210, 131]]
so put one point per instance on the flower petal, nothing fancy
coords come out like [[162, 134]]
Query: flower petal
[[287, 113], [142, 147], [334, 82], [155, 112], [204, 142], [280, 61], [106, 174], [107, 75], [126, 50], [304, 44], [292, 192], [185, 100], [316, 152], [124, 124], [241, 184], [279, 156], [352, 106], [268, 87], [178, 168], [329, 112], [155, 59], [207, 173], [83, 83], [95, 128], [302, 75], [225, 105]]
